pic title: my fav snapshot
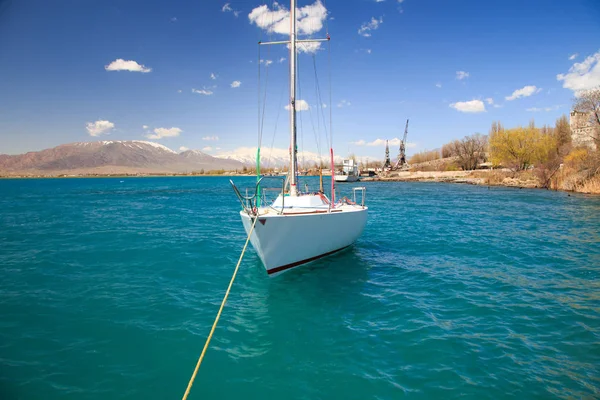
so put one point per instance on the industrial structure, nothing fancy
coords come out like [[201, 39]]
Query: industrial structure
[[387, 165], [401, 163]]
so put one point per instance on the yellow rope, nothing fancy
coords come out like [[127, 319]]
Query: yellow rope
[[189, 387]]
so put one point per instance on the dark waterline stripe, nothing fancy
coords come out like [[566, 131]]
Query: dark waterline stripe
[[298, 263]]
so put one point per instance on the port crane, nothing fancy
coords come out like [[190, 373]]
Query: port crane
[[401, 163]]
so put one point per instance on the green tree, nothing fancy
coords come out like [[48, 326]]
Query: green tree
[[520, 148]]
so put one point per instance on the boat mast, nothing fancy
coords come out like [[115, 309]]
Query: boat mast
[[293, 173], [293, 148]]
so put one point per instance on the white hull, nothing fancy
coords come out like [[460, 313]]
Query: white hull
[[346, 178], [286, 241]]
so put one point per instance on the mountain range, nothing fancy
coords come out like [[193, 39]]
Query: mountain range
[[112, 157], [143, 157]]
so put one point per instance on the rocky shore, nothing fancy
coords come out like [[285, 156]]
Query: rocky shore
[[480, 177]]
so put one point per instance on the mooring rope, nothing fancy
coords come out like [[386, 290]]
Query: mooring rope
[[189, 387]]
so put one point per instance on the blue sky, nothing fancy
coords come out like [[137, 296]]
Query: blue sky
[[452, 67]]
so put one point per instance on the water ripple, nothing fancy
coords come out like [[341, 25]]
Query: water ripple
[[109, 290]]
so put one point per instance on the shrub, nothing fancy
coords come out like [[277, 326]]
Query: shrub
[[425, 156]]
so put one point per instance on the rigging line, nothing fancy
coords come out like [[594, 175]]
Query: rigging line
[[315, 131], [326, 24], [318, 88], [299, 115], [276, 123], [265, 95], [212, 330], [258, 98], [320, 99], [330, 105], [331, 127], [259, 130], [319, 109], [262, 120], [301, 124]]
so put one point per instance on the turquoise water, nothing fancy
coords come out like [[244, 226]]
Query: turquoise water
[[108, 289]]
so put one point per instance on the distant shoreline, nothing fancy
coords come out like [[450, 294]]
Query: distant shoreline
[[477, 177], [463, 177], [114, 176]]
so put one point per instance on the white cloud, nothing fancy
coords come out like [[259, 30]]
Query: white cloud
[[525, 91], [324, 105], [275, 156], [381, 142], [308, 47], [344, 103], [227, 8], [211, 138], [301, 105], [379, 1], [489, 100], [145, 126], [183, 148], [100, 127], [536, 109], [207, 148], [282, 59], [366, 28], [310, 18], [473, 106], [266, 62], [160, 133], [582, 76], [213, 76], [235, 84], [438, 85], [179, 91], [460, 75], [204, 91], [573, 56], [174, 19], [122, 65]]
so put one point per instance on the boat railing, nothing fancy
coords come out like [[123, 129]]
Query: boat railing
[[250, 203], [363, 192]]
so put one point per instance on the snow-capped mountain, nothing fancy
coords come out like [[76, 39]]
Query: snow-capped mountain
[[119, 155]]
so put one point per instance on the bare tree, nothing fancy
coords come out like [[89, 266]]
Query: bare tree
[[447, 150], [562, 133], [588, 101], [496, 127], [470, 151]]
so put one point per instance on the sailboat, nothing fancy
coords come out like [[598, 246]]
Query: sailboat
[[300, 226]]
